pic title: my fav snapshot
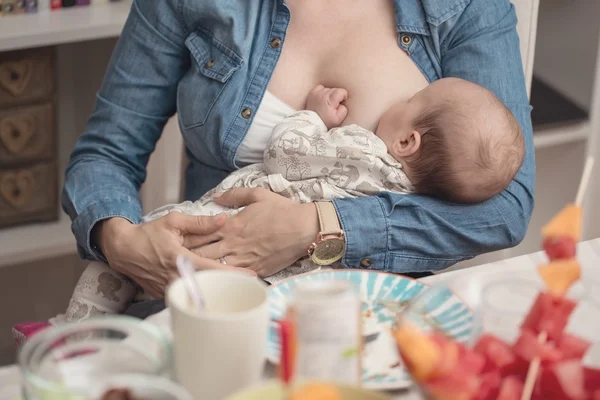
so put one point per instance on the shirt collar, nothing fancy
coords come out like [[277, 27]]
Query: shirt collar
[[417, 16], [410, 17]]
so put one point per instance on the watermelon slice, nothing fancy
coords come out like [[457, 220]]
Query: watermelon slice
[[538, 393], [510, 389], [559, 275], [498, 354], [455, 386], [527, 347], [572, 346], [489, 386], [591, 378], [563, 381], [566, 223], [560, 247], [469, 361], [549, 314]]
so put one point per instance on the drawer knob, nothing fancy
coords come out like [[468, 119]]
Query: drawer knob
[[17, 188], [16, 132], [15, 76]]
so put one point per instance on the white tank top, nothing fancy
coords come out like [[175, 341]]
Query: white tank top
[[271, 111]]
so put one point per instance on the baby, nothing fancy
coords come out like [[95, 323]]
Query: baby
[[453, 140]]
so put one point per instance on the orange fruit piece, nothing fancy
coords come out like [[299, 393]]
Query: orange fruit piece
[[316, 391], [420, 353], [566, 223], [449, 352], [559, 275]]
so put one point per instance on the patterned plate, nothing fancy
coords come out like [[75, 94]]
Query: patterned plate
[[382, 295]]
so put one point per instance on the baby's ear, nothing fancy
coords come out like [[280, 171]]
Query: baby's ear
[[408, 145]]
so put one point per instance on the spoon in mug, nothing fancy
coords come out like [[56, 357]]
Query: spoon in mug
[[186, 271]]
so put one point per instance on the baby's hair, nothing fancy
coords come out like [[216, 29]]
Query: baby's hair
[[431, 166], [459, 176]]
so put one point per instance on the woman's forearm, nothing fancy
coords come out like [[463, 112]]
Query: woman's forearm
[[93, 192], [138, 95], [412, 233]]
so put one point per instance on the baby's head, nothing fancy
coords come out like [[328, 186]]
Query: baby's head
[[456, 141]]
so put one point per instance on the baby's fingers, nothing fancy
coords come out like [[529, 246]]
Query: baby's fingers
[[317, 89], [336, 96], [341, 113]]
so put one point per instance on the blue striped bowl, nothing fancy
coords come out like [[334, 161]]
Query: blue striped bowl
[[382, 294]]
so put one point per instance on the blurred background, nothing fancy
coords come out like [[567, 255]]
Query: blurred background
[[52, 63]]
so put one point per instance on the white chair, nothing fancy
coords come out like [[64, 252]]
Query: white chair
[[527, 13], [165, 175]]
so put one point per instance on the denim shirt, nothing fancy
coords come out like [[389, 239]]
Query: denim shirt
[[161, 66]]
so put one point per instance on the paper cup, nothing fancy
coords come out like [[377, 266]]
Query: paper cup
[[221, 349]]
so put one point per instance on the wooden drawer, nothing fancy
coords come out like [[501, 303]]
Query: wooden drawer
[[26, 134], [28, 194], [26, 76]]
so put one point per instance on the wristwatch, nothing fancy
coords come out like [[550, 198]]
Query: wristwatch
[[330, 243]]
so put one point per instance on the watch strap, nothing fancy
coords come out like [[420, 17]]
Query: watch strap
[[328, 219]]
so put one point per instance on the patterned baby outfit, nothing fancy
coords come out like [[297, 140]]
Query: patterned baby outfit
[[303, 162]]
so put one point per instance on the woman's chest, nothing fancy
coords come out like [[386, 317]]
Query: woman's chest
[[353, 45]]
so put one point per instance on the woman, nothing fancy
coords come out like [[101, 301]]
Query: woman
[[213, 62]]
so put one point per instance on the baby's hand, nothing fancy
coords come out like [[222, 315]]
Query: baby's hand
[[327, 102]]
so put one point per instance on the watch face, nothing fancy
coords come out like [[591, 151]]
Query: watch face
[[329, 251]]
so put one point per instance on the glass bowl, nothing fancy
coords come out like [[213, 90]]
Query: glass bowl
[[72, 361]]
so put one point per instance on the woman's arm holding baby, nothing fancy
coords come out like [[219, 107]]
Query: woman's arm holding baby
[[406, 233], [403, 233]]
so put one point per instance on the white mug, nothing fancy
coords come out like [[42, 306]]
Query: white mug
[[222, 348]]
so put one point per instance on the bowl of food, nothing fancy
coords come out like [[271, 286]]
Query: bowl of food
[[534, 339], [309, 390], [528, 341]]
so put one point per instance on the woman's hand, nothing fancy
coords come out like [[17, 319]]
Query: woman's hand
[[270, 234], [147, 252]]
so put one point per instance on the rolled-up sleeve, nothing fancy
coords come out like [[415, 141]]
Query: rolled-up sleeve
[[413, 233], [137, 97]]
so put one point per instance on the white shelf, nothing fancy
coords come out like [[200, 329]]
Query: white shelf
[[36, 241], [63, 26], [562, 134]]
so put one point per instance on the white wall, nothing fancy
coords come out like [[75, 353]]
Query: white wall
[[566, 46]]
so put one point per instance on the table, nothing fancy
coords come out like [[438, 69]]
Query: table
[[465, 283]]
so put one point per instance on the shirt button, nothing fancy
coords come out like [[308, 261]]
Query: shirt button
[[275, 43], [366, 263], [210, 63], [247, 112], [406, 40]]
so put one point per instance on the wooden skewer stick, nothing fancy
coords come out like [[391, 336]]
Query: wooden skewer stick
[[585, 179], [532, 373], [534, 367]]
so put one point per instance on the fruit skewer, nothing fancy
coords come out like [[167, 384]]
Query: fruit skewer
[[561, 235]]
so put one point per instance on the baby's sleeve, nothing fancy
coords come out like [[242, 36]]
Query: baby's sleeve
[[307, 122], [294, 144]]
